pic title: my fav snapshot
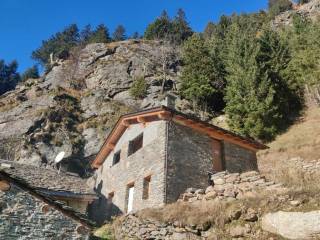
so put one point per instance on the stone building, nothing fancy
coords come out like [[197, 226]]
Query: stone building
[[39, 203], [152, 156]]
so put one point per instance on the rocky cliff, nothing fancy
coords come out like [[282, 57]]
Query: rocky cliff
[[309, 10], [74, 105]]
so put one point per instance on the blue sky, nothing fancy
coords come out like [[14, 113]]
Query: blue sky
[[25, 23]]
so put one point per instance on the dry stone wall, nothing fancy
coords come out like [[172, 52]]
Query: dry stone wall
[[309, 168], [134, 228], [231, 186], [25, 218]]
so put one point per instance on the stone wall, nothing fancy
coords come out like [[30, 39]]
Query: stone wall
[[189, 159], [231, 186], [238, 159], [132, 227], [239, 221], [307, 167], [147, 161], [24, 217]]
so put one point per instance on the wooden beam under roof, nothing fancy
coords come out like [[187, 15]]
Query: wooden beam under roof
[[163, 113]]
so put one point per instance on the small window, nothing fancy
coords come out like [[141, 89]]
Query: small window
[[110, 197], [135, 144], [116, 158], [146, 187]]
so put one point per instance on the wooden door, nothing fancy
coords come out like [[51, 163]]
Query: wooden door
[[130, 198], [217, 155]]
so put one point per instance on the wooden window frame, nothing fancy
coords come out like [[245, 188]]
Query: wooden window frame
[[110, 197], [114, 160], [146, 187], [135, 144]]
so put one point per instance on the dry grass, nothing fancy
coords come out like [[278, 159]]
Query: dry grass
[[8, 105], [301, 140], [199, 213], [105, 232]]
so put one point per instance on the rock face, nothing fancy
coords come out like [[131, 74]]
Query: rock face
[[74, 105], [293, 225], [309, 10]]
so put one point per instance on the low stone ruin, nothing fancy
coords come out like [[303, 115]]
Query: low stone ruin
[[231, 186], [307, 167]]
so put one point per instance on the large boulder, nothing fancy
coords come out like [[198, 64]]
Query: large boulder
[[293, 225]]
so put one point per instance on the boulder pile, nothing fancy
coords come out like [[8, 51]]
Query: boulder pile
[[231, 186]]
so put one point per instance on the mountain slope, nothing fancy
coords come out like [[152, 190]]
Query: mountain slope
[[74, 105]]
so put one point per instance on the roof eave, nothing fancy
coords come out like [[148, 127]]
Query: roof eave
[[166, 113]]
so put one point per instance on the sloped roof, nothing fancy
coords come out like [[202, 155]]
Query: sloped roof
[[45, 185], [46, 179], [165, 113]]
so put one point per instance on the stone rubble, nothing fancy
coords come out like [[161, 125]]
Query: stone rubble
[[133, 227], [308, 167], [231, 186]]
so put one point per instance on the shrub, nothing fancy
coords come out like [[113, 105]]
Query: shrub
[[138, 89]]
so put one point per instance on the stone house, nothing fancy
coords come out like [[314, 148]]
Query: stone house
[[40, 203], [152, 156]]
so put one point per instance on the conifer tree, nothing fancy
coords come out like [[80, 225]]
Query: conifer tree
[[119, 33], [258, 95], [9, 77], [59, 45], [201, 78], [181, 30], [85, 34], [161, 28], [99, 35], [31, 72]]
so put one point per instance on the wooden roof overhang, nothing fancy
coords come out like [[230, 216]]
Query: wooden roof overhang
[[164, 113]]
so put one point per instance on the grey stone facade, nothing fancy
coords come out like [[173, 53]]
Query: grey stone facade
[[175, 156], [238, 159], [24, 217], [189, 159], [131, 170]]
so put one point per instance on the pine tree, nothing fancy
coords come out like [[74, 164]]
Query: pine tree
[[304, 42], [99, 35], [135, 35], [119, 33], [201, 78], [258, 95], [181, 30], [31, 72], [161, 28], [9, 77], [85, 34], [59, 45]]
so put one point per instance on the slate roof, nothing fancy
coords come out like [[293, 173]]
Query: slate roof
[[46, 179], [44, 184]]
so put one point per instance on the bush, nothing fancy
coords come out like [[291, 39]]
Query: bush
[[278, 6], [138, 88]]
